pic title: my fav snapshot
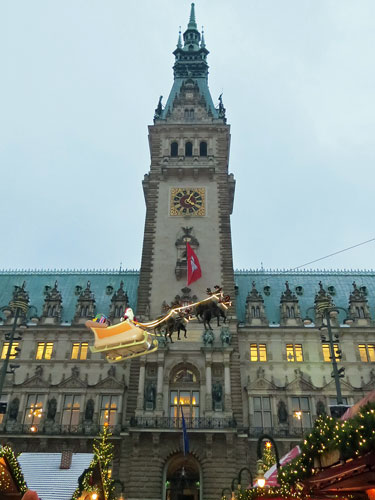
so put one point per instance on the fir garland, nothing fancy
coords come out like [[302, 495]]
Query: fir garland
[[15, 469], [103, 456], [352, 438]]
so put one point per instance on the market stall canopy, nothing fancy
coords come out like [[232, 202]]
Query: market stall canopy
[[353, 410], [43, 473], [271, 475]]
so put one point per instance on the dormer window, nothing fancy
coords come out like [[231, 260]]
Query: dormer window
[[188, 149], [203, 148], [174, 149]]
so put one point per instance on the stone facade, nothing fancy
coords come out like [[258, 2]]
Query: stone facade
[[244, 378]]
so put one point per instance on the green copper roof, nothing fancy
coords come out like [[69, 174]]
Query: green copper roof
[[103, 285], [341, 281], [192, 24]]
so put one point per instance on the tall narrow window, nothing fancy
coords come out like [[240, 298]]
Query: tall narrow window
[[108, 410], [174, 149], [294, 352], [301, 412], [71, 411], [367, 352], [203, 148], [13, 351], [34, 409], [44, 350], [188, 400], [327, 352], [188, 149], [258, 352], [79, 350], [262, 412]]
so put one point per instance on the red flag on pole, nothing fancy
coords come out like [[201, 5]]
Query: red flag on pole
[[193, 267]]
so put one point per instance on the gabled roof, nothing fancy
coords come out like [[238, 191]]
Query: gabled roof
[[43, 474]]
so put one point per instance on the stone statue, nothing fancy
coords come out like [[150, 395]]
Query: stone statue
[[282, 413], [320, 409], [89, 413], [208, 337], [225, 336], [151, 393], [159, 109], [221, 107], [39, 371], [13, 409], [260, 372], [112, 371], [75, 372], [51, 409], [217, 392]]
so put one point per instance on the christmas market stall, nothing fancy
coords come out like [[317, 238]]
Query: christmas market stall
[[12, 482]]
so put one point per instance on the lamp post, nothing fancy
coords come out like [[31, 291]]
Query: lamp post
[[240, 476], [328, 311], [18, 305]]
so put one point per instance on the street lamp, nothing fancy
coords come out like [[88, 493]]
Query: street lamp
[[18, 306], [240, 476], [329, 311], [298, 416]]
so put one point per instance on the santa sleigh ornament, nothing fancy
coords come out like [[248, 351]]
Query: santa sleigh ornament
[[122, 341]]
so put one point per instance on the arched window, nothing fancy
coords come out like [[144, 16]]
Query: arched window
[[252, 311], [257, 312], [184, 395], [174, 149], [203, 148], [287, 312], [188, 149], [292, 312], [191, 114], [186, 114]]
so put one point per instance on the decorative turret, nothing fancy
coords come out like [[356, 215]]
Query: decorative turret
[[255, 312], [119, 303], [52, 307], [290, 314], [322, 301], [85, 308], [190, 72], [358, 307]]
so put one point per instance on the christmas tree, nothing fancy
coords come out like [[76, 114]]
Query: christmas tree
[[268, 456]]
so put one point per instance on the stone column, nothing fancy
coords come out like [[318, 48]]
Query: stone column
[[159, 386], [227, 387], [141, 386]]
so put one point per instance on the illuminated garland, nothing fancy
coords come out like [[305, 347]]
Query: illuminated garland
[[15, 469], [103, 456], [269, 492], [352, 438]]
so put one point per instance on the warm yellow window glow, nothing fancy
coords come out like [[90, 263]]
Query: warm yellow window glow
[[13, 352], [327, 352], [371, 352], [363, 352], [44, 350], [294, 352], [258, 352], [79, 350]]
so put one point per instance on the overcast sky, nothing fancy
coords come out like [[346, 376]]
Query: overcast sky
[[80, 80]]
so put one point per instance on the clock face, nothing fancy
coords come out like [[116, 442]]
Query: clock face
[[188, 201]]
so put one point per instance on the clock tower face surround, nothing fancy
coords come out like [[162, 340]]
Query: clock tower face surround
[[187, 201]]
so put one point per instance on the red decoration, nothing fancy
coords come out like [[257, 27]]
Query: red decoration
[[194, 271]]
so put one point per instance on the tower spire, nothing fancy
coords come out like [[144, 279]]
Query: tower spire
[[179, 41], [203, 43], [192, 23]]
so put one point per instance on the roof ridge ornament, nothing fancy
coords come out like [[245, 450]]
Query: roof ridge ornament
[[192, 23]]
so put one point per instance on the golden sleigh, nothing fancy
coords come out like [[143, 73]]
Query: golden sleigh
[[121, 341]]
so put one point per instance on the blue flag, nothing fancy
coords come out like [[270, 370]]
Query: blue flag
[[184, 433]]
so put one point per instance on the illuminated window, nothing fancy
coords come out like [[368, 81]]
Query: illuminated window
[[327, 352], [4, 399], [262, 412], [79, 350], [189, 402], [108, 410], [367, 352], [44, 350], [258, 352], [13, 351], [71, 411], [294, 352], [301, 412], [34, 409]]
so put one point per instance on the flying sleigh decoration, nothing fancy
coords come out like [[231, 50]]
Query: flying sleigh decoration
[[130, 338]]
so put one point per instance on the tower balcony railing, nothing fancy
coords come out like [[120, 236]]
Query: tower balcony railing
[[176, 423], [279, 432]]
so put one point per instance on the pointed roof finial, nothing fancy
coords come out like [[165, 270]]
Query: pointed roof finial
[[203, 43], [192, 24], [179, 41]]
